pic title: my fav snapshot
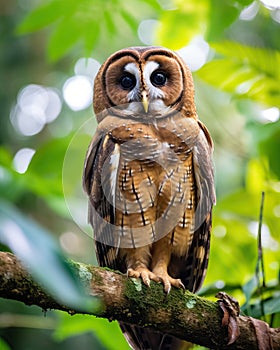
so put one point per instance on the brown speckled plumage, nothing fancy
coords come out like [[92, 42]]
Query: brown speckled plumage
[[149, 176]]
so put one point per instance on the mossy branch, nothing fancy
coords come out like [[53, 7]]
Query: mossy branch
[[181, 313]]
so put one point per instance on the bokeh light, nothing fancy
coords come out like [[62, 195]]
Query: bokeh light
[[275, 15], [36, 106], [271, 4], [250, 11], [267, 240], [53, 108], [71, 243], [87, 66], [25, 123], [220, 284], [22, 159], [219, 231], [77, 92], [195, 54], [276, 211], [270, 115], [147, 30]]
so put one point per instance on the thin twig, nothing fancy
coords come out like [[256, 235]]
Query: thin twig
[[260, 273]]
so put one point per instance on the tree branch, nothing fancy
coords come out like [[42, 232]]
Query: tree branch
[[181, 313]]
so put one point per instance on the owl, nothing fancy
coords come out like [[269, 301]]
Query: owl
[[148, 175]]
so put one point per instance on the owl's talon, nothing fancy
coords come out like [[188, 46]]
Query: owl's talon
[[145, 274], [168, 281], [147, 283], [167, 288], [182, 285]]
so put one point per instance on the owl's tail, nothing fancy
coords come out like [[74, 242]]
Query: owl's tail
[[146, 339]]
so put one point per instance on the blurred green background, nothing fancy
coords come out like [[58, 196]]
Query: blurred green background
[[49, 53]]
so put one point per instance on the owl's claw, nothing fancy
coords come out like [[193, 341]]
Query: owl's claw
[[168, 281], [145, 274]]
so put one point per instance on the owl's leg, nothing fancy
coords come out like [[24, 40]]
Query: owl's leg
[[161, 255], [138, 260]]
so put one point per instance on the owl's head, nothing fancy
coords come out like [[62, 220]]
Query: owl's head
[[144, 80]]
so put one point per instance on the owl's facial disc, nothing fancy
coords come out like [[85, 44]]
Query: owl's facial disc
[[151, 84], [146, 86]]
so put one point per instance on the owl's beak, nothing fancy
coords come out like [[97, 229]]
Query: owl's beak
[[145, 101]]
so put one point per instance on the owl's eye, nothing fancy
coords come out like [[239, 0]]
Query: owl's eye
[[128, 81], [158, 78]]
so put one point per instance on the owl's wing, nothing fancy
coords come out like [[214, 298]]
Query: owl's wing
[[192, 268], [99, 180], [204, 175]]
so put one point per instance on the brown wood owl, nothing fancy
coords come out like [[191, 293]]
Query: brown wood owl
[[149, 176]]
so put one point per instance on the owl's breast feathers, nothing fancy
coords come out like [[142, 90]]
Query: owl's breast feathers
[[149, 180]]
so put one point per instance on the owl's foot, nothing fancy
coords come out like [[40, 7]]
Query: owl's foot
[[145, 274], [167, 280]]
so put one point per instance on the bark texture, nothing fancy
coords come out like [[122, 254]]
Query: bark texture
[[180, 313]]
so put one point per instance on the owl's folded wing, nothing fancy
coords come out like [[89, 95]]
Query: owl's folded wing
[[197, 259], [100, 171]]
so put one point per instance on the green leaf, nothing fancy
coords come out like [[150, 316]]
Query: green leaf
[[245, 71], [255, 178], [9, 178], [130, 20], [248, 206], [85, 20], [221, 15], [4, 345], [42, 16], [63, 38], [91, 38], [270, 306], [244, 2], [189, 17], [72, 325], [110, 25], [45, 169], [259, 58], [249, 289], [270, 147], [5, 157], [35, 247], [43, 177], [153, 3]]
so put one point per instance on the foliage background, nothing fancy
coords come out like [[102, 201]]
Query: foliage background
[[233, 48]]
